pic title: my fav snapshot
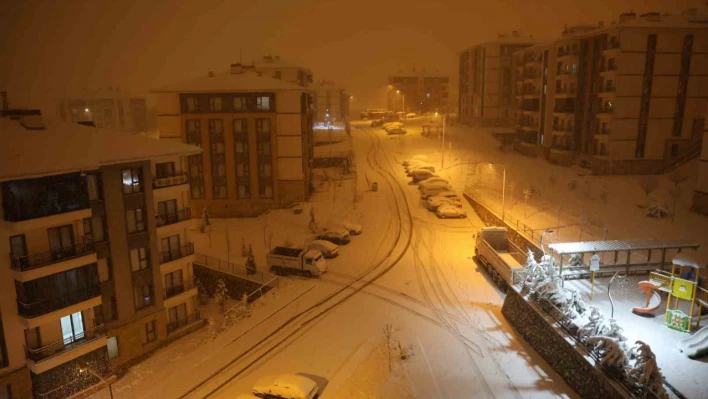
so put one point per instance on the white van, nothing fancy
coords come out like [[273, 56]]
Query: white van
[[434, 190], [286, 386], [422, 174]]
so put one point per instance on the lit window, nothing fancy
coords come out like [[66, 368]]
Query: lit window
[[132, 179], [239, 103], [263, 103], [215, 104], [139, 259], [135, 220]]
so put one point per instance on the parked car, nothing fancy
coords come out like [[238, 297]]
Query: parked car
[[328, 249], [419, 157], [286, 386], [410, 115], [397, 130], [444, 198], [421, 167], [437, 180], [337, 236], [376, 122], [419, 175], [450, 211], [392, 125], [434, 190], [414, 165], [352, 227]]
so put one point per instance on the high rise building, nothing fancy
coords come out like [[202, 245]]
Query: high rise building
[[487, 81], [624, 99], [97, 269], [418, 91], [110, 109], [257, 133]]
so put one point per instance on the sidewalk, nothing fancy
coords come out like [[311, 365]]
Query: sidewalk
[[192, 358]]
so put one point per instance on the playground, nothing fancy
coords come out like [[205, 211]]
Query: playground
[[639, 304]]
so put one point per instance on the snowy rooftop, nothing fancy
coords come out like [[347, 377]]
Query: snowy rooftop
[[63, 147], [247, 81], [616, 245], [690, 259]]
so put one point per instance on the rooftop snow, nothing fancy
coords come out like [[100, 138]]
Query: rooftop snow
[[69, 147], [616, 245], [690, 259], [247, 81]]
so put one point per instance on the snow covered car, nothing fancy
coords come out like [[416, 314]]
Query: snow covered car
[[450, 211], [286, 386], [247, 396], [420, 157], [430, 191], [419, 175], [421, 167], [410, 115], [437, 180], [352, 227], [337, 236], [398, 130], [444, 198], [392, 125], [376, 122], [328, 249]]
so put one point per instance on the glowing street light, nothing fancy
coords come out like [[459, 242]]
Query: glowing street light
[[84, 368]]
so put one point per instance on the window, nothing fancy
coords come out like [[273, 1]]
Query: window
[[173, 280], [166, 169], [93, 183], [263, 147], [263, 103], [262, 125], [178, 313], [243, 181], [139, 259], [149, 334], [93, 229], [105, 269], [143, 296], [72, 327], [192, 104], [240, 103], [215, 104], [135, 220], [277, 75], [113, 348], [611, 65], [194, 132], [265, 191], [132, 180], [218, 160], [196, 174], [674, 150], [240, 126], [265, 170]]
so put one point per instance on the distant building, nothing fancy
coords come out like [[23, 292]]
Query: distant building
[[418, 91], [98, 265], [625, 99], [331, 102], [108, 109], [257, 135], [276, 68], [700, 194], [486, 86]]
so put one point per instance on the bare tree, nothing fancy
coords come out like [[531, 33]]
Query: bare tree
[[387, 333], [648, 184]]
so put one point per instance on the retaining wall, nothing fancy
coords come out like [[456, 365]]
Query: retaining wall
[[236, 286]]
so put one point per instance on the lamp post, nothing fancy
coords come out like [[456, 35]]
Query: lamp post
[[83, 367], [403, 98]]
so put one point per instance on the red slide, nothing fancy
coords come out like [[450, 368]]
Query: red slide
[[653, 298]]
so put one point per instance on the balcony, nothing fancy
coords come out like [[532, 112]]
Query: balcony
[[179, 323], [25, 200], [54, 349], [605, 111], [50, 304], [177, 289], [177, 253], [174, 217], [162, 182], [29, 262]]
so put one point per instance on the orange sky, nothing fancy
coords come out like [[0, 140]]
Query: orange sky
[[52, 46]]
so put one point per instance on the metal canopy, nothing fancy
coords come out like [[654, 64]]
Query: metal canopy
[[615, 245]]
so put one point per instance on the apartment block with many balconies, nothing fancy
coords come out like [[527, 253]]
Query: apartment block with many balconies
[[257, 133], [418, 91], [626, 98], [488, 81], [87, 276]]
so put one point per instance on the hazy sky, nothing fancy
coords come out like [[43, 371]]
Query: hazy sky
[[50, 47]]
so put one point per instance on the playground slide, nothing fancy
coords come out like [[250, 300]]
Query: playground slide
[[653, 298], [696, 345]]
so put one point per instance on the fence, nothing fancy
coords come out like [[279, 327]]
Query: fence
[[232, 268]]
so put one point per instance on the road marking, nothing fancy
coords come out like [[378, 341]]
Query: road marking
[[430, 369]]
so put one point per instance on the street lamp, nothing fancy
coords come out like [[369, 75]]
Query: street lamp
[[549, 231], [403, 96], [84, 368]]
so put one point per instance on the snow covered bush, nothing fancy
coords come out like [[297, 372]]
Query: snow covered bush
[[221, 294], [610, 350], [251, 261], [643, 372]]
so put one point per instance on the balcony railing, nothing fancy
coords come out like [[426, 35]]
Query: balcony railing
[[173, 254], [179, 323], [605, 110], [179, 288], [50, 304], [58, 347], [173, 217], [160, 182], [29, 262]]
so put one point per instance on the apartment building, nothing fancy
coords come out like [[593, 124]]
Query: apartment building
[[331, 102], [277, 68], [700, 193], [418, 91], [98, 268], [111, 109], [257, 133], [487, 86], [625, 99]]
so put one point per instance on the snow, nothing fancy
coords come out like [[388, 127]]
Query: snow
[[690, 258], [286, 386], [221, 82]]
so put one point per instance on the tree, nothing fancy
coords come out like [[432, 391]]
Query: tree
[[201, 291], [648, 184], [251, 261], [221, 294], [387, 333], [244, 249], [527, 192], [313, 222], [205, 220]]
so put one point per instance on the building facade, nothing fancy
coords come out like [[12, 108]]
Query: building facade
[[487, 86], [418, 91], [110, 109], [275, 67], [331, 102], [257, 136], [97, 272], [700, 194], [622, 99]]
